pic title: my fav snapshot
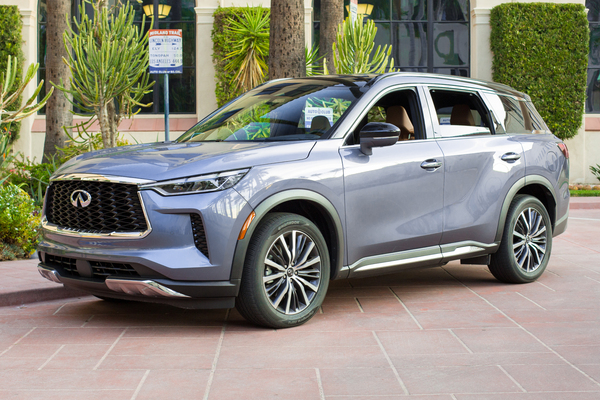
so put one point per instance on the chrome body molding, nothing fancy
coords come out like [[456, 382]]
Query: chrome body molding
[[421, 257], [52, 228], [101, 178], [49, 274], [145, 288]]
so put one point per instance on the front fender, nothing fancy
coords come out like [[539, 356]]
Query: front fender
[[282, 197]]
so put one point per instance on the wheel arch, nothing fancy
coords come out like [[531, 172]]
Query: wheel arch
[[536, 186], [310, 205]]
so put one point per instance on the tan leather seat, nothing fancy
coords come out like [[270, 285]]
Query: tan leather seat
[[461, 115], [398, 116]]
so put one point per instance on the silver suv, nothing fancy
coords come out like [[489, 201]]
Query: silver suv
[[300, 181]]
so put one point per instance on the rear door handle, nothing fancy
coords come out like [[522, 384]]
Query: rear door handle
[[431, 164], [509, 157]]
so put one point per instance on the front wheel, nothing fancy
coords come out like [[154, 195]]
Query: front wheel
[[526, 243], [286, 273]]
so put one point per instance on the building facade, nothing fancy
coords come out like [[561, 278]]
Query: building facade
[[441, 36]]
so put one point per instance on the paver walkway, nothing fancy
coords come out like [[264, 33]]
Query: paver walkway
[[440, 333]]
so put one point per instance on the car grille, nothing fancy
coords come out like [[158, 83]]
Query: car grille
[[114, 207], [100, 269], [66, 266], [199, 234]]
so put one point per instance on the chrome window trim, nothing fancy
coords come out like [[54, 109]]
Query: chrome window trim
[[112, 235]]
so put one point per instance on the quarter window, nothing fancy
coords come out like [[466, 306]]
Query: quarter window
[[521, 116]]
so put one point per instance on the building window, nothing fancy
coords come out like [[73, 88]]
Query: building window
[[592, 103], [426, 35], [182, 87]]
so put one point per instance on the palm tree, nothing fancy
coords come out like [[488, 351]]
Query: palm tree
[[286, 43], [332, 16], [57, 109]]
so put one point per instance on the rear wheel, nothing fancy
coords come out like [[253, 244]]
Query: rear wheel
[[286, 273], [526, 243]]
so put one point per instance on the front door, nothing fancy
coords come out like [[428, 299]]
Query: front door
[[394, 197]]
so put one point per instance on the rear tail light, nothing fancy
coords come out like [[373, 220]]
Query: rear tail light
[[563, 148]]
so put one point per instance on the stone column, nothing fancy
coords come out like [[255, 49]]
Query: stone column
[[206, 101]]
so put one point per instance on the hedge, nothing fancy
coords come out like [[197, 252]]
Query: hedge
[[542, 49], [10, 45], [223, 45]]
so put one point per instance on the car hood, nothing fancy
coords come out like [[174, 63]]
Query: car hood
[[163, 161]]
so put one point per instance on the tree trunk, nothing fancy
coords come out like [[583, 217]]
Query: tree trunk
[[57, 108], [286, 41], [332, 15]]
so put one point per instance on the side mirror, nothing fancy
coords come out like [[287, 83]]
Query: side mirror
[[377, 134]]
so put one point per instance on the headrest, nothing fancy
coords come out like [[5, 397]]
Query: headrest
[[398, 116], [461, 115]]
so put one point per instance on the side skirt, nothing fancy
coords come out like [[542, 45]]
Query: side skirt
[[424, 257]]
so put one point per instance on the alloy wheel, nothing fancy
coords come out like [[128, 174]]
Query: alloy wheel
[[292, 272], [529, 240]]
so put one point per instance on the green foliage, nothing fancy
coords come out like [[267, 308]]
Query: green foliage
[[10, 97], [313, 61], [10, 46], [108, 59], [585, 193], [353, 48], [34, 178], [542, 49], [226, 41], [19, 219], [595, 170], [6, 156], [247, 60]]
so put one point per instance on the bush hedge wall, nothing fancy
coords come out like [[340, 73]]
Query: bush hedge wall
[[10, 45], [222, 45], [542, 49]]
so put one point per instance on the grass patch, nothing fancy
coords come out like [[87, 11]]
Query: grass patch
[[585, 193]]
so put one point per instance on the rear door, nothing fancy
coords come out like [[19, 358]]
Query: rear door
[[481, 164]]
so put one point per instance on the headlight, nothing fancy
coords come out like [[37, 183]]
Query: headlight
[[199, 184]]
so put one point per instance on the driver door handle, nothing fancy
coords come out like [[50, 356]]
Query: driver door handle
[[508, 157], [431, 164]]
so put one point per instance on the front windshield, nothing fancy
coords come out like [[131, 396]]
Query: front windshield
[[282, 110]]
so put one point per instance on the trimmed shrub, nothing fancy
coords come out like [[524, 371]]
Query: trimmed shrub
[[19, 220], [542, 49], [224, 39], [10, 45]]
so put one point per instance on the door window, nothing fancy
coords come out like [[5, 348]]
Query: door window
[[459, 113], [399, 108]]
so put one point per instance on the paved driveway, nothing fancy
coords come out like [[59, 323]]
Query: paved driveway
[[441, 333]]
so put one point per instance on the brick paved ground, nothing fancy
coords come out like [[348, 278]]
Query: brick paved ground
[[441, 333]]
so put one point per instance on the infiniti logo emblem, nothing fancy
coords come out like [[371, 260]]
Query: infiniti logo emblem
[[81, 198]]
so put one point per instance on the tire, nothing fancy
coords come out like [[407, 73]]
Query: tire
[[526, 242], [301, 277]]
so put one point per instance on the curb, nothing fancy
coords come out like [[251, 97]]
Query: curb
[[38, 295]]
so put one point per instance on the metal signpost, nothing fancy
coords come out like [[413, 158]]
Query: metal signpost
[[166, 57]]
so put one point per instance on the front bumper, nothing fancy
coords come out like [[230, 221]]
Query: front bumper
[[192, 295]]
